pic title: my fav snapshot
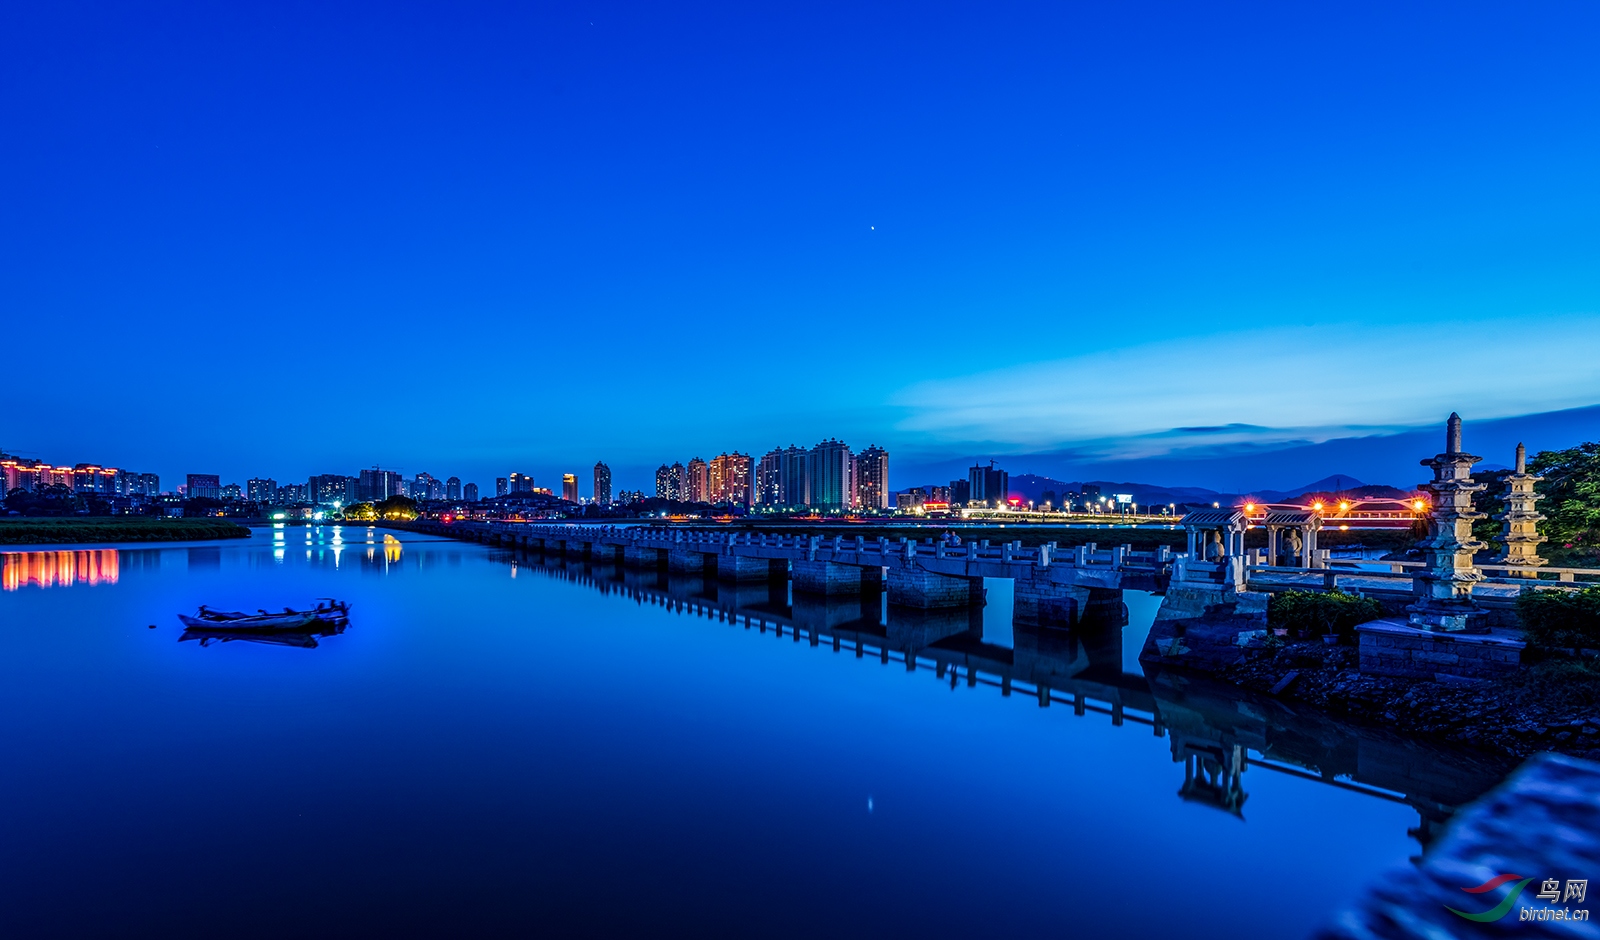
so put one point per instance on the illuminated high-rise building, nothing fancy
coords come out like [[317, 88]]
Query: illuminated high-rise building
[[662, 473], [730, 478], [452, 488], [697, 481], [203, 486], [260, 490], [829, 476], [872, 478], [569, 487], [989, 485], [520, 483], [470, 492], [376, 485], [602, 484], [330, 489], [501, 488]]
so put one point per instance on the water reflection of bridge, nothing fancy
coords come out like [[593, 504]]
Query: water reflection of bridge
[[1216, 732]]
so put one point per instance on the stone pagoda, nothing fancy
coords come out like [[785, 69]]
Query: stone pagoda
[[1444, 588], [1519, 529]]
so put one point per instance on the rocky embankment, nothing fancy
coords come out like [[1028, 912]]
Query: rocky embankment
[[1517, 716]]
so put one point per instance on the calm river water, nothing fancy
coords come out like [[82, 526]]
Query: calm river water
[[500, 745]]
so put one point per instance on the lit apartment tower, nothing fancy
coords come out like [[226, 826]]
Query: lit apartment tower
[[231, 493], [769, 479], [783, 478], [377, 485], [93, 478], [520, 483], [661, 481], [828, 476], [203, 486], [697, 482], [872, 478], [730, 478], [470, 492], [602, 484], [569, 487], [259, 490], [329, 488], [989, 485], [452, 488], [20, 474], [143, 484], [675, 481], [500, 487]]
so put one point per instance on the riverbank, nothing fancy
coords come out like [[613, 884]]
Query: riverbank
[[1551, 706], [116, 529]]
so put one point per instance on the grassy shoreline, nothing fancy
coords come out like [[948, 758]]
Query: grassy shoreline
[[35, 531]]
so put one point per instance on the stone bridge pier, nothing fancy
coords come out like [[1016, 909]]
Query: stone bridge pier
[[829, 578], [1040, 601], [687, 561], [741, 569], [640, 557], [913, 586]]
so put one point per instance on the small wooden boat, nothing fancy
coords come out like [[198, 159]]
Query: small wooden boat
[[333, 613]]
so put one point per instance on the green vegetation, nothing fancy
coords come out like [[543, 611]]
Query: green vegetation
[[1561, 621], [1310, 613], [116, 529], [361, 512], [1571, 489], [397, 508]]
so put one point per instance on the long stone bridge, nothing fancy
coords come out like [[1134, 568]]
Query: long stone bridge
[[1053, 585]]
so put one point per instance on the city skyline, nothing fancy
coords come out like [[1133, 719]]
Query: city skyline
[[1131, 258]]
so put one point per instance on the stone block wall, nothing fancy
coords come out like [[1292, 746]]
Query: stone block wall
[[1039, 600], [1205, 628], [916, 587], [741, 569], [641, 557], [1392, 647], [683, 561], [828, 579]]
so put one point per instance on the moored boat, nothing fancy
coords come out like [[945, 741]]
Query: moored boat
[[333, 613]]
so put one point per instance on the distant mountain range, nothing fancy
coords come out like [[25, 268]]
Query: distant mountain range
[[1237, 469]]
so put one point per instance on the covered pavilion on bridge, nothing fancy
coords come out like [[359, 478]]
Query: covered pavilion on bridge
[[1215, 535], [1298, 525]]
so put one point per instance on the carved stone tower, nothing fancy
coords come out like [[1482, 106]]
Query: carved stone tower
[[1520, 522], [1444, 588]]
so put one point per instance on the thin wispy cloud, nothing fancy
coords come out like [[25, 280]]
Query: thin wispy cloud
[[1266, 386]]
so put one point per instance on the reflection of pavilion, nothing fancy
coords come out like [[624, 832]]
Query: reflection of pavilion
[[1217, 732]]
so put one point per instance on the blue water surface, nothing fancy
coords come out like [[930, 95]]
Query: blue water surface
[[502, 745]]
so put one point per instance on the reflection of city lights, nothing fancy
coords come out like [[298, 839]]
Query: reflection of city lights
[[58, 569]]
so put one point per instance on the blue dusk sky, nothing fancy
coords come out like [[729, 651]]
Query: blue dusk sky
[[1102, 239]]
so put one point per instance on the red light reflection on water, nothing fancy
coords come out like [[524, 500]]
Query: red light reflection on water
[[57, 569]]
